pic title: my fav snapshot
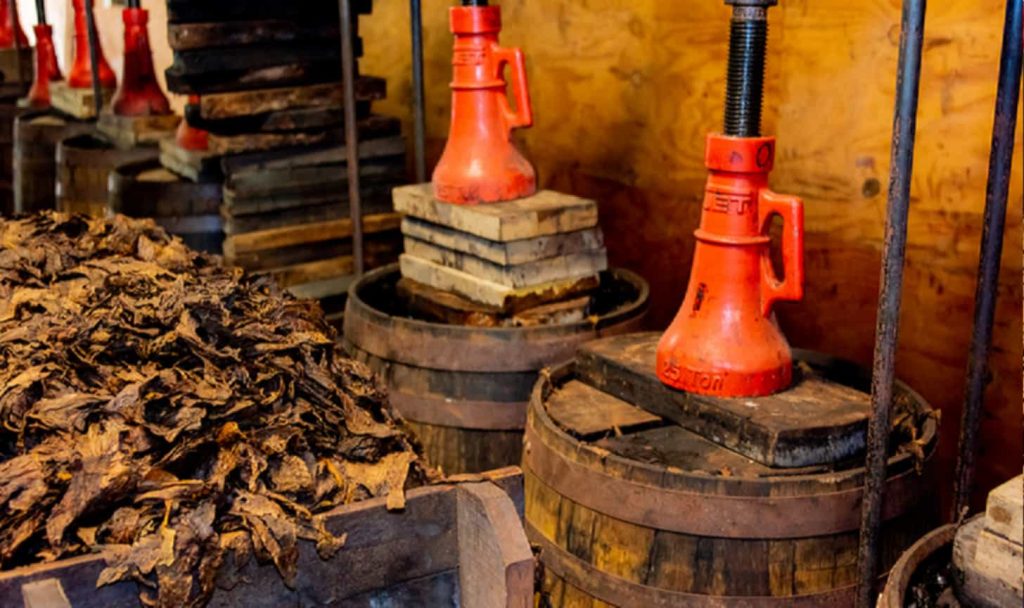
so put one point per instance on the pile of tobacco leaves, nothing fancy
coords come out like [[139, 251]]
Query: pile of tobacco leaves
[[173, 412]]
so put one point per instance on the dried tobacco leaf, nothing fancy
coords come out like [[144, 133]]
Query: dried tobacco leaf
[[181, 415]]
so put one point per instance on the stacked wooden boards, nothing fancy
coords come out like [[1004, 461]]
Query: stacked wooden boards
[[717, 504], [264, 84], [989, 550], [500, 260]]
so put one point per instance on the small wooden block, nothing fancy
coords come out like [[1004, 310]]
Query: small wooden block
[[77, 103], [16, 66], [487, 292], [509, 252], [544, 213], [562, 268], [294, 235], [190, 164], [218, 106], [127, 132], [992, 567], [585, 411], [1004, 513], [814, 422]]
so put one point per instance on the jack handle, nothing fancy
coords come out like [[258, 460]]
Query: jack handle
[[791, 287], [522, 116]]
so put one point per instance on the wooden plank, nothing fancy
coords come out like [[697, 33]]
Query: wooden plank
[[814, 422], [373, 126], [496, 566], [509, 252], [192, 11], [126, 132], [587, 412], [191, 36], [283, 160], [991, 569], [326, 288], [77, 103], [315, 271], [287, 74], [317, 179], [294, 235], [379, 248], [191, 164], [375, 202], [561, 268], [483, 291], [248, 103], [1004, 512], [545, 213]]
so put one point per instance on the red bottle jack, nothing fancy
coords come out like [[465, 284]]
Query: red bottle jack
[[139, 94], [189, 137], [480, 164], [80, 76], [9, 27], [724, 341], [47, 69]]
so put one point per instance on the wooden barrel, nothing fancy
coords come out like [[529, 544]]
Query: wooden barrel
[[631, 510], [465, 390], [188, 209], [9, 111], [36, 135], [939, 541], [84, 163]]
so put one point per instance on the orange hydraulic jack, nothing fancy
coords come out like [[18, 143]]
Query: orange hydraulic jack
[[189, 137], [724, 341], [47, 69], [139, 95], [10, 27], [80, 75], [480, 164]]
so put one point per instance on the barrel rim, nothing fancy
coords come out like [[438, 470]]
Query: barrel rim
[[906, 566], [899, 462], [465, 348]]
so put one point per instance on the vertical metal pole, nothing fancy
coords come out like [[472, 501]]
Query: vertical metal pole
[[887, 330], [94, 56], [16, 23], [348, 67], [41, 12], [419, 119], [999, 169]]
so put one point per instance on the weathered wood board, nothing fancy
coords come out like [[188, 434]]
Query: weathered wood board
[[286, 160], [375, 202], [371, 127], [545, 213], [194, 165], [992, 567], [528, 274], [191, 36], [126, 132], [1004, 513], [509, 252], [483, 291], [199, 11], [311, 181], [240, 244], [218, 106], [814, 422], [77, 103]]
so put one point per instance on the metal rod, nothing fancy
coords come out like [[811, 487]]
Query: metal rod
[[348, 68], [419, 117], [41, 12], [94, 56], [16, 27], [887, 330], [748, 43], [134, 4], [997, 191]]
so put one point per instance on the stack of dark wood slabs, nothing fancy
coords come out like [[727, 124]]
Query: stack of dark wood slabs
[[234, 44], [641, 495], [500, 263]]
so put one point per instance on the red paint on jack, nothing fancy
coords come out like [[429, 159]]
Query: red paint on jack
[[80, 75], [47, 69], [189, 137], [9, 27], [480, 164], [139, 95], [724, 341]]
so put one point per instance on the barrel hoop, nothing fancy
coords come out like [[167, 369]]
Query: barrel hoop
[[458, 348], [474, 415], [714, 515], [621, 592]]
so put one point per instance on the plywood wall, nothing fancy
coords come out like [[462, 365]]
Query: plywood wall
[[624, 91]]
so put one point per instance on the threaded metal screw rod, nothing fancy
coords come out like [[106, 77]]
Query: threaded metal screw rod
[[748, 43], [474, 2]]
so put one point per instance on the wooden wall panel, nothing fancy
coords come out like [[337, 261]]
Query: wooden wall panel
[[625, 90]]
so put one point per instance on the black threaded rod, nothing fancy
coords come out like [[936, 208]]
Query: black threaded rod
[[474, 2], [748, 42]]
